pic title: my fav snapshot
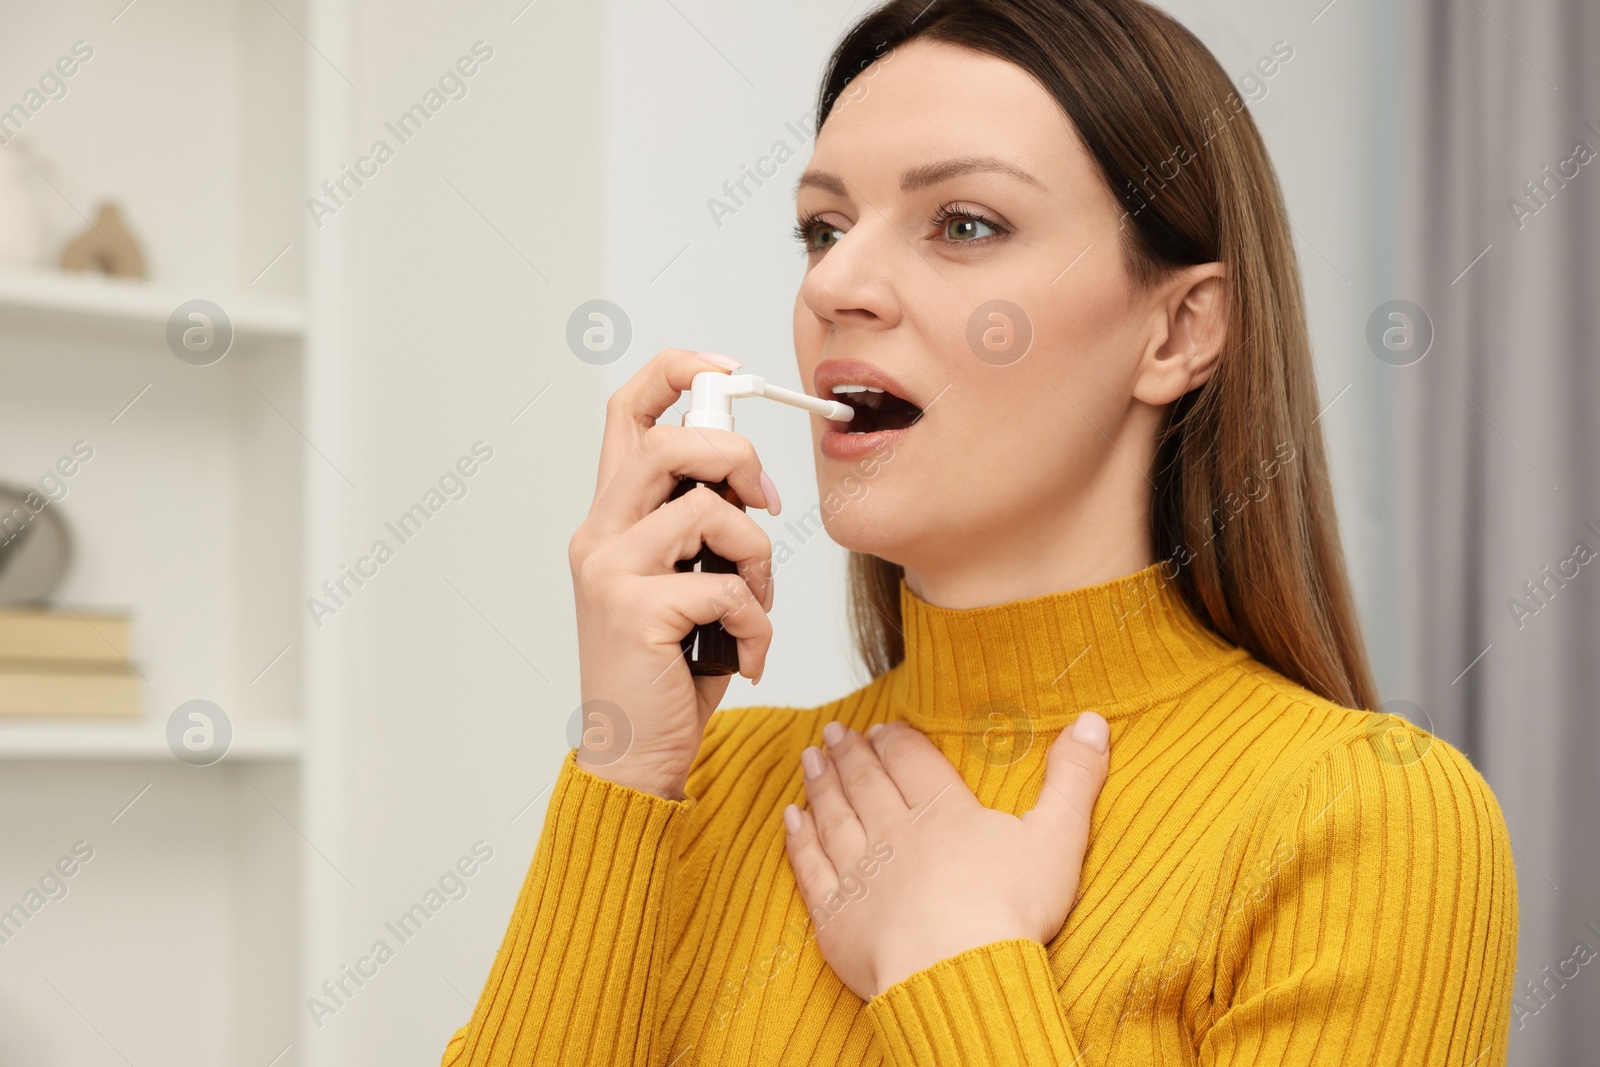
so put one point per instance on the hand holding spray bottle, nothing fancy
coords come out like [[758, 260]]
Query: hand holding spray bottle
[[709, 649]]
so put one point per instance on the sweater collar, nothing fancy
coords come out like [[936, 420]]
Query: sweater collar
[[1114, 648]]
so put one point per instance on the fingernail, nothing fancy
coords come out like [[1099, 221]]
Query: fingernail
[[811, 762], [791, 818], [727, 362], [833, 733], [1093, 730], [872, 731], [769, 492]]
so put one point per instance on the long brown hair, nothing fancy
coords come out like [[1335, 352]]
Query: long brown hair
[[1176, 144]]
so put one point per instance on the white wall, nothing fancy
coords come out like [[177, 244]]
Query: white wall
[[451, 331]]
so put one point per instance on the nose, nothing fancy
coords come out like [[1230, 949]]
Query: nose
[[851, 283]]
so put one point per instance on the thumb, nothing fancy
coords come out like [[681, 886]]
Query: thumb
[[1074, 772]]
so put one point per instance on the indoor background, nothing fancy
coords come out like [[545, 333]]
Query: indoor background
[[377, 324]]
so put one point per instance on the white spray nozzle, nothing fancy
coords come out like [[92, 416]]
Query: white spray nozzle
[[712, 394]]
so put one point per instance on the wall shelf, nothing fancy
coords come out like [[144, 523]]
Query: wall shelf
[[136, 741], [193, 517], [59, 300]]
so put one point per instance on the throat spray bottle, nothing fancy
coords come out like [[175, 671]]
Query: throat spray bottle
[[709, 649]]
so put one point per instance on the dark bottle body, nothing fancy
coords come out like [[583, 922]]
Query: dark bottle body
[[708, 648]]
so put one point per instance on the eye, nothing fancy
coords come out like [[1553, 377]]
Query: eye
[[815, 235], [966, 226]]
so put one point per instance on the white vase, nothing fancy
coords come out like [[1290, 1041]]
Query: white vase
[[22, 218]]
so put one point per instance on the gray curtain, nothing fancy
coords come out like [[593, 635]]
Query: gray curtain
[[1497, 455]]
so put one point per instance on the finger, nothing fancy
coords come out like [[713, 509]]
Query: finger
[[663, 455], [843, 836], [867, 785], [694, 599], [676, 530], [635, 406], [919, 770], [1074, 771], [813, 870]]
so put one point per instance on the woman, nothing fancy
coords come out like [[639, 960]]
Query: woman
[[1110, 796]]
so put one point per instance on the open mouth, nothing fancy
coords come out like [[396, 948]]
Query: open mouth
[[875, 409]]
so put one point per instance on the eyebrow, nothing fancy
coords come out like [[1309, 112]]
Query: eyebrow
[[923, 176]]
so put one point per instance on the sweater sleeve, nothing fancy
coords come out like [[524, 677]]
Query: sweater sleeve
[[577, 978], [991, 1005], [1386, 927]]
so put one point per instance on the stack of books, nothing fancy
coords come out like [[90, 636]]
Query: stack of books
[[60, 663]]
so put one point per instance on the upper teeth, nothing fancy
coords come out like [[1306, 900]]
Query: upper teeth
[[853, 388]]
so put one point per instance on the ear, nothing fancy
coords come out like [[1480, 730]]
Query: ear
[[1189, 325]]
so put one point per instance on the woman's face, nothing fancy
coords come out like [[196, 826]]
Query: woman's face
[[943, 181]]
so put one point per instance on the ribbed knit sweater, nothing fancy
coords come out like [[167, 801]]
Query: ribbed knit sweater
[[1270, 878]]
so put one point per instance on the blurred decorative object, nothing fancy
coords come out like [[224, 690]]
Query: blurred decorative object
[[106, 246], [35, 547], [54, 662], [23, 222], [63, 663]]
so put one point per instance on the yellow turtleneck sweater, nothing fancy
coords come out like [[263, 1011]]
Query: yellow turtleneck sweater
[[1270, 878]]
